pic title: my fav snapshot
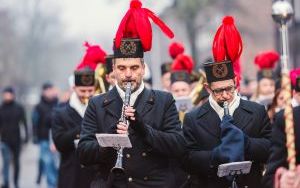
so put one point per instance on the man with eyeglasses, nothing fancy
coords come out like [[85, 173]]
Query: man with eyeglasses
[[214, 138]]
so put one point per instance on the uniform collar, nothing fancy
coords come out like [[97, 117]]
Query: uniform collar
[[233, 105], [133, 95]]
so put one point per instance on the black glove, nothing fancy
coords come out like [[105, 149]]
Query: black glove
[[138, 124], [232, 144]]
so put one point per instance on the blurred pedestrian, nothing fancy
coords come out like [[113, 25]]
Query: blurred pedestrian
[[12, 115], [41, 122]]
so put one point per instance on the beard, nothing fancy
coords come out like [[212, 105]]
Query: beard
[[134, 85]]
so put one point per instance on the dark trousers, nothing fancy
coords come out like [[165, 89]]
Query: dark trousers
[[10, 152]]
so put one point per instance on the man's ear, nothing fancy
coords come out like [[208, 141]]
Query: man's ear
[[206, 85]]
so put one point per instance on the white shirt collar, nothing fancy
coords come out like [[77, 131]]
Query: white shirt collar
[[77, 105], [233, 105], [133, 95]]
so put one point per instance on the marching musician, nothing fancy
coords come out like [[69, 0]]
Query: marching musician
[[154, 126], [213, 138], [110, 77], [175, 48], [278, 158], [295, 76], [165, 70], [181, 68], [67, 121], [265, 90]]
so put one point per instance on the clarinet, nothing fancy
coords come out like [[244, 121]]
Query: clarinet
[[226, 109], [118, 169]]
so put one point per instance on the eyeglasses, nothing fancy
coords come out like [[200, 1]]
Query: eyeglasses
[[220, 91]]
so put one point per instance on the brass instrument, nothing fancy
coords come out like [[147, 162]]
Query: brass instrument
[[195, 93], [100, 79], [86, 100], [118, 169]]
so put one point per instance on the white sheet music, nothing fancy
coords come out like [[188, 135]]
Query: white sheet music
[[183, 104], [114, 140], [234, 168]]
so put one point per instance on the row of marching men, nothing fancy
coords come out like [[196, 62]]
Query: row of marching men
[[166, 152]]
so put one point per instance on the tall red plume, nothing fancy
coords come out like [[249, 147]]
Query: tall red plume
[[175, 49], [266, 60], [238, 72], [136, 24], [94, 55], [183, 63], [227, 44], [294, 74]]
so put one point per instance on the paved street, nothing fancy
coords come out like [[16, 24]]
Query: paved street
[[28, 168]]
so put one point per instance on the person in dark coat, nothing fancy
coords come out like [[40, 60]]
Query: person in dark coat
[[41, 124], [67, 121], [12, 115], [214, 137], [278, 157], [154, 127]]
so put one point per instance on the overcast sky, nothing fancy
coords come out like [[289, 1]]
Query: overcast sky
[[95, 21], [97, 18]]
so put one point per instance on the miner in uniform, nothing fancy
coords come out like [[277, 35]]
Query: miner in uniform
[[154, 127], [213, 138], [67, 121]]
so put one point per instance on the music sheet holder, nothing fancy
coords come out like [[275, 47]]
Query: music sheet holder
[[234, 169], [183, 104], [114, 140]]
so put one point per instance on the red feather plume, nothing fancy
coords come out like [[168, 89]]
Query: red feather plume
[[136, 24], [227, 44], [294, 74], [183, 63], [94, 55], [266, 60], [238, 72], [175, 49]]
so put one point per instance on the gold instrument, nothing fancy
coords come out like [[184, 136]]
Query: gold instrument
[[181, 115], [86, 101], [118, 169], [100, 79], [195, 93]]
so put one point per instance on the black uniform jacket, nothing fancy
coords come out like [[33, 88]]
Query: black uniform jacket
[[154, 141], [278, 157], [12, 116], [202, 132], [65, 129]]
